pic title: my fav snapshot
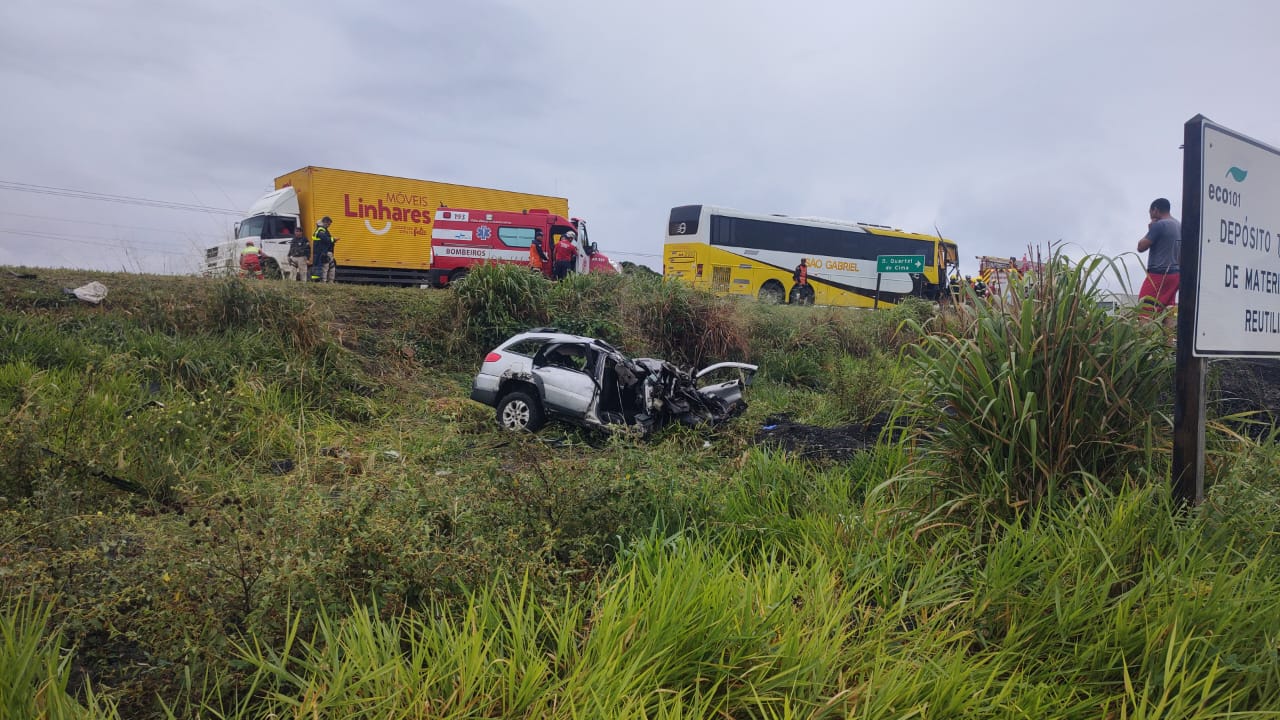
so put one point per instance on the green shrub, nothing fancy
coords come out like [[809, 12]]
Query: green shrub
[[673, 321], [858, 388], [33, 340], [1246, 502], [588, 305], [239, 304], [496, 301], [793, 346], [35, 669], [1044, 391]]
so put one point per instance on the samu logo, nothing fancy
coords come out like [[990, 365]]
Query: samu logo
[[1237, 174]]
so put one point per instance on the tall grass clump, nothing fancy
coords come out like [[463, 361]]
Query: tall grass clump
[[1245, 502], [588, 305], [247, 305], [674, 321], [792, 345], [1043, 389], [35, 670], [680, 622], [496, 301], [891, 329]]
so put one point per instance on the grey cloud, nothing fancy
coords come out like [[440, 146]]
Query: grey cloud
[[998, 121]]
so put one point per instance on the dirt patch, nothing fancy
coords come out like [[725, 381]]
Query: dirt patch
[[1241, 385], [818, 443], [1234, 386]]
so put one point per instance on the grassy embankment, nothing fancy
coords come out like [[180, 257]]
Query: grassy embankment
[[230, 499]]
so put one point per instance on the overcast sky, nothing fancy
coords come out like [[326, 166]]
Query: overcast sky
[[1000, 123]]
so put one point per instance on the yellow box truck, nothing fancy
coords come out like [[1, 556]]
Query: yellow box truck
[[382, 224]]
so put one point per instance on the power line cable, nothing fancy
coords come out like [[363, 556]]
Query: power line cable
[[107, 197], [71, 239], [104, 224]]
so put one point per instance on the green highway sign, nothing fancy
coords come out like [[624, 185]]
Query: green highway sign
[[900, 263]]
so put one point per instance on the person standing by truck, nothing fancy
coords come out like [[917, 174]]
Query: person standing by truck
[[322, 244], [566, 254], [299, 256], [537, 255]]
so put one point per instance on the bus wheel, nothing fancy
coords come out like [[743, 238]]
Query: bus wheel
[[801, 295], [456, 276], [772, 292]]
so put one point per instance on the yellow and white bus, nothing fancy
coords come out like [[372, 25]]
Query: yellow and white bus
[[729, 252]]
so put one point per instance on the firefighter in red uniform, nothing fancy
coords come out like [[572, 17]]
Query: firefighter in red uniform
[[566, 254]]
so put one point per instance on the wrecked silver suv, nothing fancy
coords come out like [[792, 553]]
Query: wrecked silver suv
[[546, 374]]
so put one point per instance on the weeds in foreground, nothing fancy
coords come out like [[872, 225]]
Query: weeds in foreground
[[35, 668], [416, 563], [1044, 391], [857, 606]]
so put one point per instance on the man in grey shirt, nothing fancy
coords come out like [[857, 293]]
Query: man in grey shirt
[[1164, 240]]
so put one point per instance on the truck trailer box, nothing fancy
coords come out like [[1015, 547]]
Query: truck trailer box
[[383, 224]]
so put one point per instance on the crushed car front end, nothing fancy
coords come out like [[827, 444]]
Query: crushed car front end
[[544, 374]]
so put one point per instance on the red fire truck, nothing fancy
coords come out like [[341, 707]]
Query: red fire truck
[[463, 238]]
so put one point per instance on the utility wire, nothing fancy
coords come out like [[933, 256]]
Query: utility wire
[[107, 197], [65, 238], [147, 202], [112, 225]]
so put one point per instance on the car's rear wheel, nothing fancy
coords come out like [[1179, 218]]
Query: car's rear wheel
[[519, 411]]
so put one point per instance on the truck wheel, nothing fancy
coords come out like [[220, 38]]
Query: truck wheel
[[518, 411], [771, 292], [271, 269], [457, 276]]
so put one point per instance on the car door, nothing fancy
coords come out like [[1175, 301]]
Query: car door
[[561, 371]]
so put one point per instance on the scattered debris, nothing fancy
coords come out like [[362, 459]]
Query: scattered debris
[[813, 442], [280, 467], [92, 293]]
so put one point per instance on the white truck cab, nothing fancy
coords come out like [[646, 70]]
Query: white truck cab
[[269, 224]]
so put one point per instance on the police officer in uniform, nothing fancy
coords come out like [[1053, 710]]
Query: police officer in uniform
[[323, 269], [299, 256]]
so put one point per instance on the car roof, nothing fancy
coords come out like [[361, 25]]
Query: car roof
[[552, 335]]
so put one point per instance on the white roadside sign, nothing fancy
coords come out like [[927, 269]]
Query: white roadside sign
[[1237, 307]]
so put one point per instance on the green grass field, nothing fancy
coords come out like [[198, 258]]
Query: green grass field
[[235, 499]]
